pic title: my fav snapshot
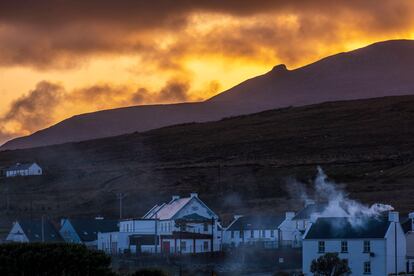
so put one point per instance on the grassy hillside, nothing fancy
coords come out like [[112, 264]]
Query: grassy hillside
[[240, 164]]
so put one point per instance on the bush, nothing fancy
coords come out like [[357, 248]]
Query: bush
[[52, 259]]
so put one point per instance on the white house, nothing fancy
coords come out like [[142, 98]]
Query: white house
[[183, 225], [408, 227], [33, 230], [85, 231], [27, 169], [260, 231], [371, 245]]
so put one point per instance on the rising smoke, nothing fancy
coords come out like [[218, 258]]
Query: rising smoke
[[338, 203]]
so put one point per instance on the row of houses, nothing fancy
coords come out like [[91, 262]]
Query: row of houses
[[377, 245]]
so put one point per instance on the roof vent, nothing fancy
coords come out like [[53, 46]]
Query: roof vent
[[193, 195]]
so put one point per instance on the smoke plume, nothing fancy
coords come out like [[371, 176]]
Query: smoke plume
[[338, 204]]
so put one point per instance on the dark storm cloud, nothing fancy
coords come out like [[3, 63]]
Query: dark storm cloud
[[41, 106], [61, 33]]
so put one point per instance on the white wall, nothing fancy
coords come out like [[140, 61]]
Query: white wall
[[401, 248], [356, 257], [237, 239]]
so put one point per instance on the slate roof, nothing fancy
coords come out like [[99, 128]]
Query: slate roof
[[18, 167], [88, 229], [256, 223], [341, 228], [33, 230], [168, 211], [306, 212]]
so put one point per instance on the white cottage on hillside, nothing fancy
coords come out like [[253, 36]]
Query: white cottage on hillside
[[183, 225], [371, 245], [27, 169]]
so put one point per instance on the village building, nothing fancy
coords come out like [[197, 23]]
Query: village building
[[408, 227], [370, 245], [262, 231], [28, 230], [85, 231], [26, 169], [183, 225]]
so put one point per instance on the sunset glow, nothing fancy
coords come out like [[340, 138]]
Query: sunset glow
[[126, 54]]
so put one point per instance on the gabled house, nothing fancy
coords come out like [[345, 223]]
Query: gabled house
[[260, 231], [38, 230], [26, 169], [85, 231], [408, 227], [183, 225], [371, 245]]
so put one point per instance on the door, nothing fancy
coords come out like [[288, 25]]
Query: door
[[166, 247]]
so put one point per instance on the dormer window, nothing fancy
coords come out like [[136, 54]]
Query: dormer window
[[321, 247]]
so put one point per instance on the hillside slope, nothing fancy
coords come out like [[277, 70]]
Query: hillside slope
[[382, 69], [237, 165]]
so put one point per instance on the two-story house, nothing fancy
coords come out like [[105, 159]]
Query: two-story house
[[183, 225], [371, 245], [408, 227], [260, 231]]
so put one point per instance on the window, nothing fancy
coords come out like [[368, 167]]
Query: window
[[205, 246], [251, 233], [344, 247], [367, 267], [232, 234], [412, 267], [263, 233], [127, 227], [272, 233], [205, 227], [182, 245], [241, 234], [367, 246], [321, 247]]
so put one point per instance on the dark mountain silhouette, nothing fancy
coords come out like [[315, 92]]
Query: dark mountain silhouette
[[381, 69], [238, 165]]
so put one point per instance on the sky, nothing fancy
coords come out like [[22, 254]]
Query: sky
[[59, 58]]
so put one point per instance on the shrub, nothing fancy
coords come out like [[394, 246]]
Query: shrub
[[52, 259]]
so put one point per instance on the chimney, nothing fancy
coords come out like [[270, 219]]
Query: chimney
[[193, 195], [290, 215], [236, 217], [309, 202], [393, 217], [62, 221], [411, 215], [175, 197]]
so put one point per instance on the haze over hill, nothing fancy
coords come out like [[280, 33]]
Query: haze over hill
[[237, 165], [381, 69]]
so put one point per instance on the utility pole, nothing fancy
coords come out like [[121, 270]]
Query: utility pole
[[156, 234], [43, 228], [120, 197]]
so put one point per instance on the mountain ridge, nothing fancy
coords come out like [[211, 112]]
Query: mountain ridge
[[377, 70]]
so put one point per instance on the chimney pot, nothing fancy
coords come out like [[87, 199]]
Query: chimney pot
[[290, 215], [237, 217], [193, 195], [393, 216], [175, 197]]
